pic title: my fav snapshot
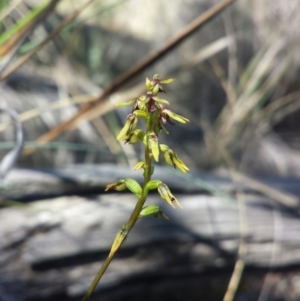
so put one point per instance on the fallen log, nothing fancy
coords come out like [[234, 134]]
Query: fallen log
[[50, 249]]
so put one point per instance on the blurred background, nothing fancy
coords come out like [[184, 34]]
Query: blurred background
[[237, 81]]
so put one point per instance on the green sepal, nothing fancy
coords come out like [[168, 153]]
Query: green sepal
[[155, 90], [153, 145], [119, 239], [140, 134], [167, 81], [173, 160], [139, 165], [167, 195], [152, 210], [164, 129], [164, 101], [133, 136], [176, 117], [163, 148], [133, 186], [148, 84], [126, 103], [130, 124], [124, 130], [140, 114], [169, 160], [142, 98]]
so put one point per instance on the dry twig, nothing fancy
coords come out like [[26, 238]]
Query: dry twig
[[21, 61], [132, 72]]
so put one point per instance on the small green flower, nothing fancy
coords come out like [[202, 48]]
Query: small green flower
[[151, 104], [118, 185], [166, 195], [141, 103], [122, 184], [130, 124], [133, 136], [155, 85], [166, 114], [172, 159], [119, 239]]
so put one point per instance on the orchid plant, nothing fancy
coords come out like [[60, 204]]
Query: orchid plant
[[152, 110]]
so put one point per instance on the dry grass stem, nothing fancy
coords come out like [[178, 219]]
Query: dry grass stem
[[243, 231], [85, 112], [21, 61], [14, 41], [5, 11]]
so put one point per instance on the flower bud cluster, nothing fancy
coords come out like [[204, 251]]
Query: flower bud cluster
[[152, 109], [151, 106]]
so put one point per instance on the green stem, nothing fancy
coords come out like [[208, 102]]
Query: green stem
[[147, 177], [97, 278], [134, 215]]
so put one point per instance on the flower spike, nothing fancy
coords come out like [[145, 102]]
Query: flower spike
[[152, 110]]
